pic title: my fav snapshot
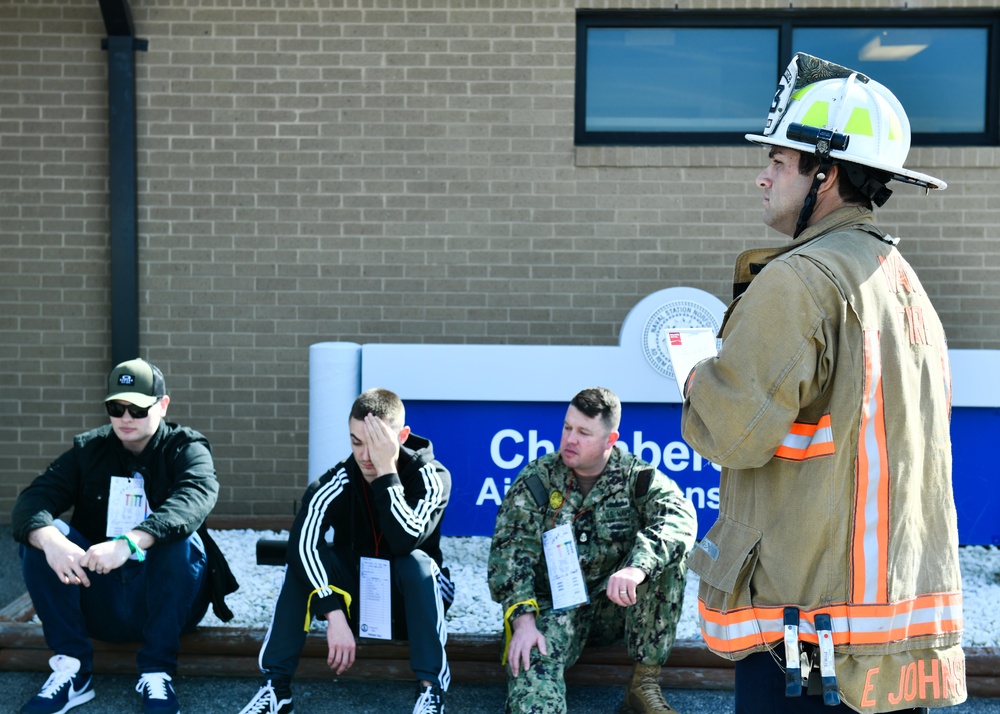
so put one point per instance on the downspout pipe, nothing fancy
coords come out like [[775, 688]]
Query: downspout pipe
[[121, 45]]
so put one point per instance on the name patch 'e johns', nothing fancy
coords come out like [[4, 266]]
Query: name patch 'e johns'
[[925, 680]]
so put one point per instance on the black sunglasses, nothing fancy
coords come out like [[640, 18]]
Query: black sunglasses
[[117, 410]]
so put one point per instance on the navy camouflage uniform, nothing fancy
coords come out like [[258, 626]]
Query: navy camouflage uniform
[[634, 516]]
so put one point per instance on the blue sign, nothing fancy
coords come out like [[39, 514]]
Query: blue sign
[[975, 474], [486, 444]]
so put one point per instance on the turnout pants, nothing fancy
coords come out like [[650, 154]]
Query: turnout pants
[[152, 602], [421, 593], [648, 628]]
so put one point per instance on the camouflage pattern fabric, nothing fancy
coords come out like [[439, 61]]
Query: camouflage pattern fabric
[[634, 516], [649, 628]]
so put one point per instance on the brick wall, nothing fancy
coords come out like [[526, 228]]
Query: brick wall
[[367, 174]]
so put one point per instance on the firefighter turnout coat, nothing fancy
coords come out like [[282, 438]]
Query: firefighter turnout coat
[[828, 407]]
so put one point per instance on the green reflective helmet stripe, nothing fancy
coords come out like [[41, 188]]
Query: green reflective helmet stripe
[[895, 128], [860, 123], [817, 115]]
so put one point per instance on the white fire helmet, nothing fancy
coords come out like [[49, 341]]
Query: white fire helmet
[[832, 111]]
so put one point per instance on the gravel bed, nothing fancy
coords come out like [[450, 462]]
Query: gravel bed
[[475, 613]]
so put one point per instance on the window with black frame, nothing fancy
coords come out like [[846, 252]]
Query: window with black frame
[[704, 78]]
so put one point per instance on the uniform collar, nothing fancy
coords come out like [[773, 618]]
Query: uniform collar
[[750, 262]]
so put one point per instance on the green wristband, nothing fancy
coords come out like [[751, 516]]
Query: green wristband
[[138, 552]]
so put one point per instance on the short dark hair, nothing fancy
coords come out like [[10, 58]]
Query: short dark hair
[[602, 402], [381, 403], [846, 189]]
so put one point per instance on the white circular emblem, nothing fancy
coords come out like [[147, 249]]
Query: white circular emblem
[[671, 315]]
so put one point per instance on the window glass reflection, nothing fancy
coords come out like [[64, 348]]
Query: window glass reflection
[[679, 79], [938, 74]]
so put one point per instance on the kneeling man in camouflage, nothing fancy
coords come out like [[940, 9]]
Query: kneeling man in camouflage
[[589, 548]]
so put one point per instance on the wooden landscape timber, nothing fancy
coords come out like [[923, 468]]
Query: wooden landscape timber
[[232, 652]]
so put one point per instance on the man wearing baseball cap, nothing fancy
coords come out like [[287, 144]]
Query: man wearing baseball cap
[[131, 563]]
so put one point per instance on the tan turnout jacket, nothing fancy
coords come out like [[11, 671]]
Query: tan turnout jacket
[[828, 407]]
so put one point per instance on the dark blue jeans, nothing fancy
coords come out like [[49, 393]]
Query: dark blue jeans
[[152, 602]]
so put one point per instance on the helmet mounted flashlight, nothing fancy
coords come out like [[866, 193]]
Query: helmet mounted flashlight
[[825, 140]]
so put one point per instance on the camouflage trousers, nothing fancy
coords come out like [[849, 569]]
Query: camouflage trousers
[[648, 629]]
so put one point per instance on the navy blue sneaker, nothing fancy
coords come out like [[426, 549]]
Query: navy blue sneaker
[[157, 694], [65, 688]]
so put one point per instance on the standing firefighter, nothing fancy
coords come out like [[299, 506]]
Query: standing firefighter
[[831, 576]]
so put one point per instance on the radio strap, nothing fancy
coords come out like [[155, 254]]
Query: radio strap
[[793, 669], [824, 631]]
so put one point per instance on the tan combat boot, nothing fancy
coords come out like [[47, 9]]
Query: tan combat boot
[[643, 694]]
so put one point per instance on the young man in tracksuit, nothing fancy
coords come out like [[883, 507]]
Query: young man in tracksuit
[[384, 502]]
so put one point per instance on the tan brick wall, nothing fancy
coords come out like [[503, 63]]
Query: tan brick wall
[[368, 174]]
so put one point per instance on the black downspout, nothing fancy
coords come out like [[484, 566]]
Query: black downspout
[[121, 45]]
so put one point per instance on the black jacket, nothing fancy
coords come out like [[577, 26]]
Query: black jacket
[[180, 483]]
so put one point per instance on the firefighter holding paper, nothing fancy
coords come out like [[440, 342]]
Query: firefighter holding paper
[[831, 575]]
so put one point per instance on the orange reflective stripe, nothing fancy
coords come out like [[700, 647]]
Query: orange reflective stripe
[[732, 631], [870, 549], [746, 628], [807, 441]]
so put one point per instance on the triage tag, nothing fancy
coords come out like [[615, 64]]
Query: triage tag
[[563, 563], [127, 504], [375, 611]]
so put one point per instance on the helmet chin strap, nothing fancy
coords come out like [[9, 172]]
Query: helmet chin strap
[[810, 203]]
